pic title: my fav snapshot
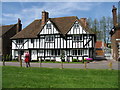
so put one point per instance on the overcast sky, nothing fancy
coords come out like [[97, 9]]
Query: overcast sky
[[29, 11]]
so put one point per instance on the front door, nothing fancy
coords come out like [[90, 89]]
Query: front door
[[33, 54]]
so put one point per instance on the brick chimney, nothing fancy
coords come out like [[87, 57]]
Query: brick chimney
[[19, 26], [114, 12], [84, 21], [45, 16]]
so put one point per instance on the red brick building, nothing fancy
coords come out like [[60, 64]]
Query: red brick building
[[100, 46], [115, 36]]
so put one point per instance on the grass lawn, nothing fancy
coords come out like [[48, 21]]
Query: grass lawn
[[17, 77]]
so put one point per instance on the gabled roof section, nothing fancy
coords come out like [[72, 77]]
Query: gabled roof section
[[30, 31], [6, 28], [86, 28], [62, 24]]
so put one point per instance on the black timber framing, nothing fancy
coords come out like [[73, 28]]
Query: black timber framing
[[65, 40]]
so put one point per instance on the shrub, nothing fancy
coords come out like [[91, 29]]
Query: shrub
[[80, 60], [3, 58], [75, 60], [88, 59], [7, 57], [62, 56], [53, 60], [47, 60]]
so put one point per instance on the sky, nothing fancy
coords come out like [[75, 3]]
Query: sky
[[29, 11]]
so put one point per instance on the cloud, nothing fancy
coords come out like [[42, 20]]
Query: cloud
[[27, 15]]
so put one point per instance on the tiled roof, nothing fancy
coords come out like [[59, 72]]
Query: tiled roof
[[6, 28], [30, 31], [63, 24]]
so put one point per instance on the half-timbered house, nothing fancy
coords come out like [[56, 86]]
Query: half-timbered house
[[46, 38]]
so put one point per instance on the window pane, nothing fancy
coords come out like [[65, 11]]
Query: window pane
[[32, 40], [77, 38], [79, 52], [19, 41], [49, 38], [58, 52], [74, 52], [76, 25], [85, 51], [48, 26]]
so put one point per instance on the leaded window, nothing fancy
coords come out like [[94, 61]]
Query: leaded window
[[77, 38], [55, 52], [49, 38], [19, 41], [76, 25], [48, 26]]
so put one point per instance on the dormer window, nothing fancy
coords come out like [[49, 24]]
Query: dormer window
[[48, 26]]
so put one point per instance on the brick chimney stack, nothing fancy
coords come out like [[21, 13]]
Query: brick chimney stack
[[114, 12], [45, 16], [19, 26], [84, 21]]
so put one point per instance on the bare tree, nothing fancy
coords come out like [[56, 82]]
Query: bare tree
[[101, 27]]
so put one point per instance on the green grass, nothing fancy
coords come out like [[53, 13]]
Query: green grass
[[16, 77]]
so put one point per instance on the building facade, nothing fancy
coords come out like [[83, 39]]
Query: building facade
[[46, 38], [8, 31], [115, 36]]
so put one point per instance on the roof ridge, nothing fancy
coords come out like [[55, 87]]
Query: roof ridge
[[9, 28], [63, 17], [8, 25]]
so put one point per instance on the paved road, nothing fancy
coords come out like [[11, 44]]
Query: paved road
[[92, 65]]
